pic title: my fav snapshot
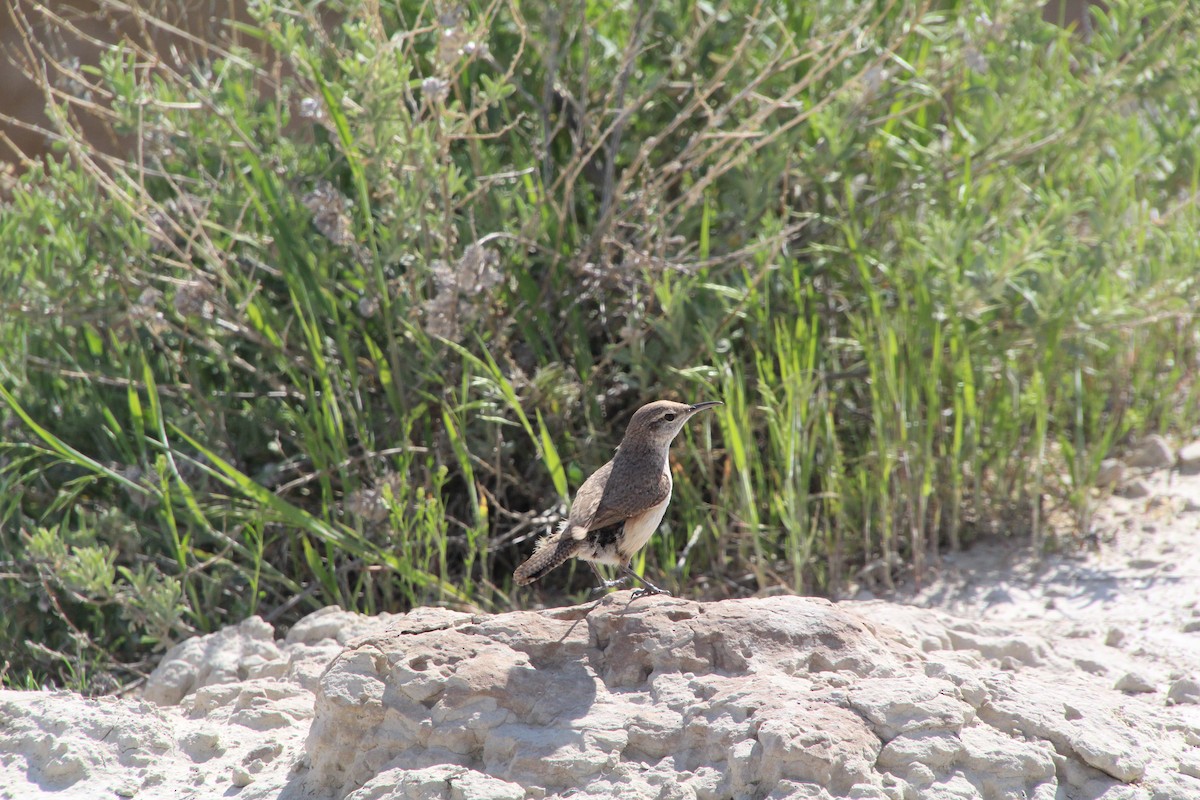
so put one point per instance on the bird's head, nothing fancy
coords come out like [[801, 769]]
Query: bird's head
[[659, 422]]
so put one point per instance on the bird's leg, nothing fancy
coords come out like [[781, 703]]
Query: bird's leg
[[647, 589], [605, 585]]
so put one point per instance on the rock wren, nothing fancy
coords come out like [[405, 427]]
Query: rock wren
[[618, 508]]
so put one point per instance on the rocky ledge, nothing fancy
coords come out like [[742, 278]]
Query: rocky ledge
[[782, 697]]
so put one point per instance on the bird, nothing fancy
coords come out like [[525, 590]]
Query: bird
[[618, 508]]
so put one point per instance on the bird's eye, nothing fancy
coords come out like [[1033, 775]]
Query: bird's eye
[[669, 417]]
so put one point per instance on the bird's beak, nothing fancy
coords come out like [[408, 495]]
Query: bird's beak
[[706, 404]]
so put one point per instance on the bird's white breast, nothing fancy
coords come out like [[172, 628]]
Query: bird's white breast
[[639, 528]]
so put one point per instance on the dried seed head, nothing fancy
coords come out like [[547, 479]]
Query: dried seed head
[[330, 213], [435, 89], [195, 299]]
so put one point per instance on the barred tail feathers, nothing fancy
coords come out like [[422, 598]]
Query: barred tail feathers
[[552, 550]]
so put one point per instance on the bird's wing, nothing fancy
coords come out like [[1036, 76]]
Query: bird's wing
[[586, 503], [633, 501]]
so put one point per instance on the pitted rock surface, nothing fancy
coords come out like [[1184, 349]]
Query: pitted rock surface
[[778, 698], [736, 699]]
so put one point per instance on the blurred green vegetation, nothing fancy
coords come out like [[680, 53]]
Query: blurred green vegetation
[[348, 322]]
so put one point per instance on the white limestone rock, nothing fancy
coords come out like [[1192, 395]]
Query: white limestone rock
[[235, 653], [783, 698]]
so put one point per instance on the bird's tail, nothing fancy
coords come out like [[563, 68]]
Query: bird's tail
[[552, 550]]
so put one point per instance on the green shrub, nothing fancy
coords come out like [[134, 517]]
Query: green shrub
[[350, 320]]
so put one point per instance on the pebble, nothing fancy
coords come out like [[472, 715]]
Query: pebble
[[1133, 683], [1111, 473], [241, 777], [1183, 690], [1154, 452], [1135, 489], [1189, 458]]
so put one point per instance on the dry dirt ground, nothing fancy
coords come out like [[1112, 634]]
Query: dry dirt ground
[[1131, 598]]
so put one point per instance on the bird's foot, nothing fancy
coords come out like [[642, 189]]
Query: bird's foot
[[649, 591]]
